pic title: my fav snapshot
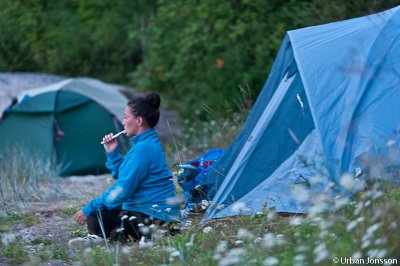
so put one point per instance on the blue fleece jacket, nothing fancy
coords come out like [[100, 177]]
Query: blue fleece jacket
[[144, 182]]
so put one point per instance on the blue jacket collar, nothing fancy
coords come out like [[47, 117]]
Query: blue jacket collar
[[144, 135]]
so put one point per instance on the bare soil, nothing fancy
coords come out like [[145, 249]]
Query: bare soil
[[52, 221]]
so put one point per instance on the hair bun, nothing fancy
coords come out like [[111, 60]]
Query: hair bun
[[153, 99]]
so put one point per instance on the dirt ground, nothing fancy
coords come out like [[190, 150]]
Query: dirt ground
[[53, 223]]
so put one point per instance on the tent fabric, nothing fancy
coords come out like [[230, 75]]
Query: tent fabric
[[65, 122], [100, 92], [365, 79], [341, 105]]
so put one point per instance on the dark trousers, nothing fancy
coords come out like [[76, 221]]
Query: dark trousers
[[111, 220]]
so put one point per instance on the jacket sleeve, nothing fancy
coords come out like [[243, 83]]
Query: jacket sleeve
[[136, 167], [114, 161]]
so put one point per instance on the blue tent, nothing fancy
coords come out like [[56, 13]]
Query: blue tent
[[331, 103]]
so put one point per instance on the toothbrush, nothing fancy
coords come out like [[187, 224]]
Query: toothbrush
[[116, 135]]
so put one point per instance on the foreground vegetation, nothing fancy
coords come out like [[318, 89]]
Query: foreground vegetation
[[361, 228], [364, 226]]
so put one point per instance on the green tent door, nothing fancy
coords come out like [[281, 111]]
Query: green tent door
[[79, 150]]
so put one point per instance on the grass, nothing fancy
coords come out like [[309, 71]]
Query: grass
[[366, 225], [25, 179], [358, 229], [69, 211]]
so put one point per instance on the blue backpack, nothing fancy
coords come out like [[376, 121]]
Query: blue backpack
[[191, 175]]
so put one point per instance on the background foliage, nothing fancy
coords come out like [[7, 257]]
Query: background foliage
[[194, 53]]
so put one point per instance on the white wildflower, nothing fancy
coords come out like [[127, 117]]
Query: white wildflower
[[173, 201], [114, 193], [350, 226], [238, 242], [7, 238], [205, 203], [373, 228], [216, 256], [184, 213], [221, 247], [280, 239], [126, 250], [391, 143], [299, 258], [140, 225], [301, 248], [124, 217], [221, 206], [347, 181], [87, 250], [169, 249], [207, 229], [339, 203], [229, 261], [152, 226], [238, 207], [317, 208], [271, 215], [365, 243], [295, 221], [356, 255], [358, 208], [321, 253], [271, 261], [175, 253], [142, 243], [268, 240], [236, 252], [144, 230], [393, 225], [155, 206], [132, 218], [258, 240], [301, 193], [360, 219], [377, 195], [119, 230], [376, 253], [186, 224], [244, 234]]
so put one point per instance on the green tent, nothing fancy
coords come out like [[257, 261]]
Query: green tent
[[65, 122]]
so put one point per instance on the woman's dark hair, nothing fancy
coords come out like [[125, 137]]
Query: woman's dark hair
[[147, 107]]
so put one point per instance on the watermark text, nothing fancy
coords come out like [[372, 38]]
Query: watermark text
[[363, 261]]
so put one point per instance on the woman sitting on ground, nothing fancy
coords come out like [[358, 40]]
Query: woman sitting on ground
[[143, 193]]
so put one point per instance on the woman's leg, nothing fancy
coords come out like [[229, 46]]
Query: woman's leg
[[138, 224], [111, 219]]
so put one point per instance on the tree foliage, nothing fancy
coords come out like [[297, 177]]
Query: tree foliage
[[201, 52], [193, 52], [73, 38]]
